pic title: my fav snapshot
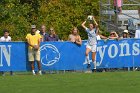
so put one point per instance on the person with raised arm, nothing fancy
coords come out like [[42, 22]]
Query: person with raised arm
[[92, 41]]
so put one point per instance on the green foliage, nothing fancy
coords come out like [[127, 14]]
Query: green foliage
[[18, 15], [14, 17]]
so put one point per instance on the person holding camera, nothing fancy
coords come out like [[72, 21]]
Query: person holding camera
[[92, 40], [33, 40]]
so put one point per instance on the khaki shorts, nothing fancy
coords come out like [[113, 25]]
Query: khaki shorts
[[33, 55]]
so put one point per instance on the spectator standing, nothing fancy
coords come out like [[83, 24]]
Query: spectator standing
[[43, 33], [52, 35], [137, 33], [75, 37], [113, 35], [125, 34], [33, 40], [118, 6], [5, 38]]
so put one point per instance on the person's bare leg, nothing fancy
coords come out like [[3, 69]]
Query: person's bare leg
[[87, 57], [94, 60], [3, 73], [39, 67], [11, 73], [32, 67], [120, 10]]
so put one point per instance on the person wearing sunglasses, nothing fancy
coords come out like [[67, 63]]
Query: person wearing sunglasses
[[52, 35], [113, 35]]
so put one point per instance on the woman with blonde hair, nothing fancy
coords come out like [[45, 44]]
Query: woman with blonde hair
[[113, 35], [75, 37]]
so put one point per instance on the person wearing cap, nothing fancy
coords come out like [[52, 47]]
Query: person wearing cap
[[137, 33], [33, 40], [113, 35], [125, 34]]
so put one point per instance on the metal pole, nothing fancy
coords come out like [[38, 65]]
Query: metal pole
[[128, 68], [109, 9], [117, 12], [100, 10], [133, 64]]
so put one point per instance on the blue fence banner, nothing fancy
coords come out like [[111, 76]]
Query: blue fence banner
[[13, 56], [118, 54], [62, 56], [69, 56]]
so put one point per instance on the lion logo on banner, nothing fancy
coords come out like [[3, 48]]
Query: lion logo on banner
[[50, 55]]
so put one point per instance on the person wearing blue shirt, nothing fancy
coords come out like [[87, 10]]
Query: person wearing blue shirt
[[43, 33], [52, 35]]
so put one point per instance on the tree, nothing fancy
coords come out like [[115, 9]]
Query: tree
[[18, 15]]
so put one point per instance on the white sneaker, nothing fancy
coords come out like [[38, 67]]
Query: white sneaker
[[40, 72], [34, 73], [88, 71], [3, 74]]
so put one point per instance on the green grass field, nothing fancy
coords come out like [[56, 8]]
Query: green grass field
[[108, 82]]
